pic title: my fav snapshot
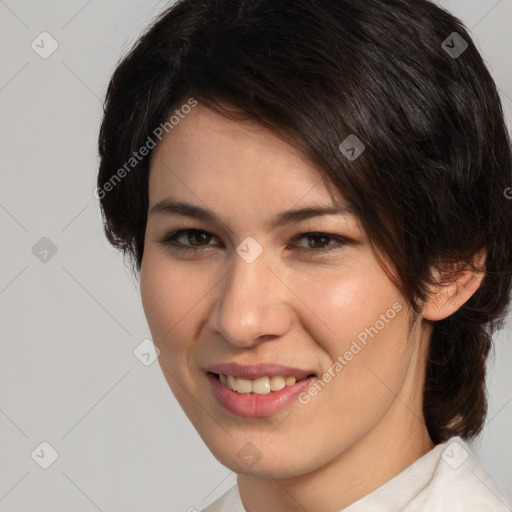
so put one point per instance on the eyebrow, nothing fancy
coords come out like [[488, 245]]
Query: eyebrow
[[282, 218]]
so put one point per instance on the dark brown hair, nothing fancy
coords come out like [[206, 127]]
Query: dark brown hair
[[429, 186]]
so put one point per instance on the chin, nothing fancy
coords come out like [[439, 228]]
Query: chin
[[261, 459]]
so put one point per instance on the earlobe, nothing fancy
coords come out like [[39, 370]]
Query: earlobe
[[445, 299]]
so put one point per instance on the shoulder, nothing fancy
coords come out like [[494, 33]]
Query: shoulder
[[449, 478], [459, 483]]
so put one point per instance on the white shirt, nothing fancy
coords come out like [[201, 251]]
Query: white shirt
[[449, 478]]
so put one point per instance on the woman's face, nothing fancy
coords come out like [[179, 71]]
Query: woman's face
[[254, 288]]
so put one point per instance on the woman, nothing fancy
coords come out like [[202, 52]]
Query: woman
[[312, 194]]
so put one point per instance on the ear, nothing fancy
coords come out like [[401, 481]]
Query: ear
[[446, 299]]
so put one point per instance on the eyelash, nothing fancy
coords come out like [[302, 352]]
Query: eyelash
[[169, 241]]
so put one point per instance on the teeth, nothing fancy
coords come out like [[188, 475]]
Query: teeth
[[277, 383], [289, 381], [243, 385], [261, 386]]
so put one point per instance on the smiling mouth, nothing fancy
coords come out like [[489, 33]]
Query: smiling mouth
[[260, 386]]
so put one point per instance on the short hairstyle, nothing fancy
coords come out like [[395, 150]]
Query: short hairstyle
[[428, 187]]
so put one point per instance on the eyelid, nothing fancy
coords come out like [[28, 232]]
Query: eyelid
[[340, 241], [168, 239]]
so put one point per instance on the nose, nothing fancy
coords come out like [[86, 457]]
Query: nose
[[251, 304]]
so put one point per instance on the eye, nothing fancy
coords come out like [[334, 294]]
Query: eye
[[320, 242], [187, 240], [190, 235]]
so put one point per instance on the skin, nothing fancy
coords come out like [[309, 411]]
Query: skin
[[288, 306]]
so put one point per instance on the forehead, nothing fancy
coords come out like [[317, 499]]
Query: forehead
[[210, 156]]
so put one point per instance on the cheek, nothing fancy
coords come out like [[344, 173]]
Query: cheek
[[171, 297], [169, 294], [360, 322], [344, 301]]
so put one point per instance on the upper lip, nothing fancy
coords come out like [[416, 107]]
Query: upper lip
[[256, 371]]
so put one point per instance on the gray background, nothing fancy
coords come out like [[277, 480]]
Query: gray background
[[70, 324]]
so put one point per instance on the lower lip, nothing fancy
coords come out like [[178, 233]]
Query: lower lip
[[254, 406]]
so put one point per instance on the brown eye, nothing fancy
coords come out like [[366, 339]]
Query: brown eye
[[195, 239], [190, 239], [320, 242]]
